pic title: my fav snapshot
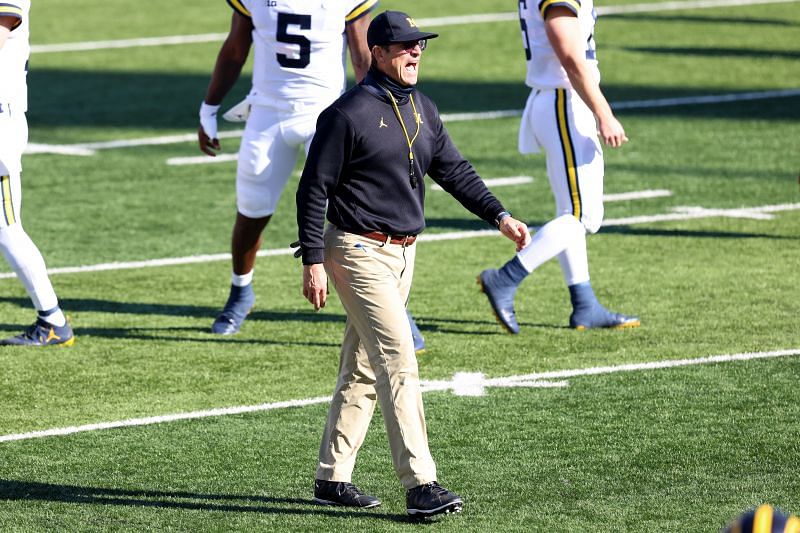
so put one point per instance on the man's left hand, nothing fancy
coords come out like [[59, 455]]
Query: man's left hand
[[516, 231]]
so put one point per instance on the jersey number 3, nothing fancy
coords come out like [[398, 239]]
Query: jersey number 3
[[304, 22]]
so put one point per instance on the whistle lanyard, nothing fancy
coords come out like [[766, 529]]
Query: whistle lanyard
[[412, 175]]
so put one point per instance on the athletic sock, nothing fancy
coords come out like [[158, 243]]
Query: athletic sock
[[582, 297], [54, 316], [242, 280], [238, 293], [512, 273]]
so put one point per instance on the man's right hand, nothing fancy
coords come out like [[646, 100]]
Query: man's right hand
[[207, 133], [611, 131], [516, 231], [315, 285]]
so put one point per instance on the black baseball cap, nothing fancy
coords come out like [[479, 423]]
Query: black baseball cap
[[394, 27]]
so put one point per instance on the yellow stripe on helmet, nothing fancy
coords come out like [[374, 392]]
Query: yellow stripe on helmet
[[792, 525], [762, 521]]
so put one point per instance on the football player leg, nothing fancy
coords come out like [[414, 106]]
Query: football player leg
[[266, 161], [539, 129], [583, 198], [416, 334], [51, 326]]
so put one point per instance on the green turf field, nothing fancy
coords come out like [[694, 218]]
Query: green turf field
[[710, 267]]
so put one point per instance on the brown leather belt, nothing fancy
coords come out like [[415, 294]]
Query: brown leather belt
[[405, 240]]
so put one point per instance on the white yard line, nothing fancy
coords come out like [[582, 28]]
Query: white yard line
[[128, 43], [619, 197], [706, 99], [675, 6], [202, 159], [636, 195], [683, 213], [91, 147], [438, 22], [463, 384], [146, 421], [497, 182]]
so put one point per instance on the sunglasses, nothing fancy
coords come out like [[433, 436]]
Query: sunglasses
[[408, 46]]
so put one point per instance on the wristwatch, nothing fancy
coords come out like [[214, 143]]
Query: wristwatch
[[500, 216]]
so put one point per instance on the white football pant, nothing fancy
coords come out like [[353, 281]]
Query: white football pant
[[558, 121]]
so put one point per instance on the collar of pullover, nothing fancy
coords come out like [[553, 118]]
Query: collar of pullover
[[378, 83]]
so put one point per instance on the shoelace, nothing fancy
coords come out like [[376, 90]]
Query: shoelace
[[349, 487], [32, 329], [435, 488]]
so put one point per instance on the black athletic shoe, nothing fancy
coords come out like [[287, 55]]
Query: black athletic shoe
[[432, 499], [340, 493]]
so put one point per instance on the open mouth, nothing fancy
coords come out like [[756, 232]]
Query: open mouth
[[411, 68]]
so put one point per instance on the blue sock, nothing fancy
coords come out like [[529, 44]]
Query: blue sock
[[238, 292], [513, 272], [46, 313], [582, 297]]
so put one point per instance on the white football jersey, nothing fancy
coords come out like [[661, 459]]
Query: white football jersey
[[14, 56], [544, 68], [300, 47]]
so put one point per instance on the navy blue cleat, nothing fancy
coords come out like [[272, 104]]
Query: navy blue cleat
[[43, 333], [501, 298], [419, 340], [587, 313], [240, 303]]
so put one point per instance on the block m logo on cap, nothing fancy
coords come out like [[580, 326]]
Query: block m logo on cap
[[411, 23]]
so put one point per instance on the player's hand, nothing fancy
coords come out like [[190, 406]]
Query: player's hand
[[516, 231], [207, 135], [611, 132], [315, 285]]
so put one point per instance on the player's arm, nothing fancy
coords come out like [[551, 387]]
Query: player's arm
[[357, 43], [230, 60], [564, 34]]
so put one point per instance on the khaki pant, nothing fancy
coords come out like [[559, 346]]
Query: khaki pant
[[373, 280]]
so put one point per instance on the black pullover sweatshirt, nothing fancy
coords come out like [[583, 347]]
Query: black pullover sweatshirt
[[358, 167]]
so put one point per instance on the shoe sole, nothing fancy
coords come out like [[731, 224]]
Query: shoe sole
[[496, 314], [320, 501], [626, 325], [67, 343], [454, 507]]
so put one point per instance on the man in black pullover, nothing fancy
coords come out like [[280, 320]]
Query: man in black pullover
[[365, 167]]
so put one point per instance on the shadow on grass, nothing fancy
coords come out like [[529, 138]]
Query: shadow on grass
[[164, 100], [179, 333], [28, 491], [192, 311], [750, 21], [190, 333], [717, 52], [440, 324], [472, 224], [700, 234]]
